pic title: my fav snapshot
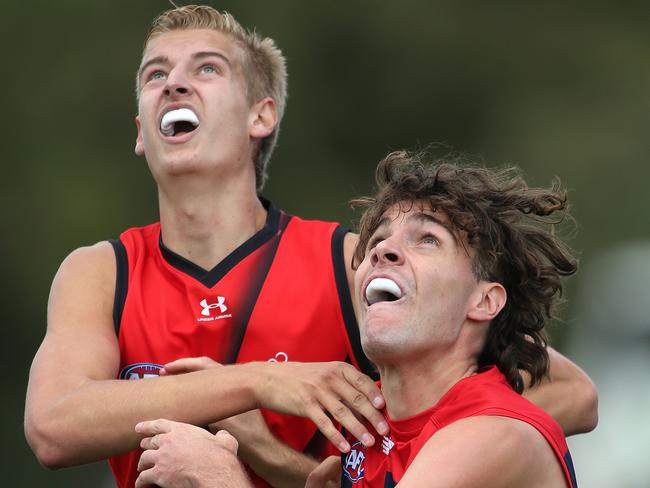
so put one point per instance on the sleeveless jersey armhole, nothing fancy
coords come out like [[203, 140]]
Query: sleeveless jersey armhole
[[121, 282], [351, 326]]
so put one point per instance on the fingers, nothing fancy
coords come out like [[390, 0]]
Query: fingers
[[365, 385], [147, 460], [350, 391], [146, 479], [227, 441], [344, 416], [188, 365], [328, 473], [150, 442], [327, 428], [153, 427], [365, 399]]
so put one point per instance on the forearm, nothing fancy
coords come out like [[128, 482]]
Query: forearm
[[277, 463], [71, 424], [96, 419], [568, 395]]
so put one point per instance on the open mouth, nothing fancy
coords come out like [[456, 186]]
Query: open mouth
[[382, 290], [178, 122]]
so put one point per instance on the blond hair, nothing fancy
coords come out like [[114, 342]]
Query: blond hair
[[262, 64]]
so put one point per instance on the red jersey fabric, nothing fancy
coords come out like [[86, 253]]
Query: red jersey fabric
[[282, 295], [486, 393]]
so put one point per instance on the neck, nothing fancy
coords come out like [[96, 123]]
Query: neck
[[204, 222], [417, 385]]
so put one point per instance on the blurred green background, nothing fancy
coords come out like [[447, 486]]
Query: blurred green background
[[557, 88]]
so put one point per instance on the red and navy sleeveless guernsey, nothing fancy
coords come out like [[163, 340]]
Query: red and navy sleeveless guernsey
[[486, 393], [281, 296]]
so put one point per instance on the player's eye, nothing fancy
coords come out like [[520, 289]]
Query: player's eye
[[429, 239], [157, 75], [209, 69]]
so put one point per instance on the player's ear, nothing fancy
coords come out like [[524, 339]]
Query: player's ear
[[139, 144], [263, 118], [490, 298]]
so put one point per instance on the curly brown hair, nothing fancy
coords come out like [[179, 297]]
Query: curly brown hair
[[512, 229]]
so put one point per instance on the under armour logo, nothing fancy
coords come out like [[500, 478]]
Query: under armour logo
[[208, 306], [386, 445]]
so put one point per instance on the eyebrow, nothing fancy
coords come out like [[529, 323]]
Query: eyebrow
[[149, 62], [428, 218], [199, 55], [420, 217]]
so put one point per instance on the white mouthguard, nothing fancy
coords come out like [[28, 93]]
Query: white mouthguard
[[178, 115]]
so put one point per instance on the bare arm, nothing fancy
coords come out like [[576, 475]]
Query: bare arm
[[568, 395], [485, 452], [76, 412], [267, 456]]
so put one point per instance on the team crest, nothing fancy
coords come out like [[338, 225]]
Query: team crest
[[353, 464], [139, 371]]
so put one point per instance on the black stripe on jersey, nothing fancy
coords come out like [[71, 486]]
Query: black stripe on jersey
[[121, 282], [569, 464], [389, 482], [345, 482], [340, 274], [209, 278], [255, 287]]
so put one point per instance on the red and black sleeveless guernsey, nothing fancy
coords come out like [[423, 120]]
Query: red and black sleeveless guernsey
[[281, 296], [486, 393]]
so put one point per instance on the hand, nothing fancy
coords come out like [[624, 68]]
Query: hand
[[267, 456], [312, 389], [178, 455], [188, 365], [249, 428], [326, 475]]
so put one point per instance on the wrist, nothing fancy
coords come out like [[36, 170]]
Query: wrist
[[261, 379]]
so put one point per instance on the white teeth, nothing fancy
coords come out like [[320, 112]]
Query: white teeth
[[382, 289], [178, 115]]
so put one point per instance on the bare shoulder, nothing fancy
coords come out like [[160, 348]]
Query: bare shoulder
[[96, 261], [85, 279], [486, 451], [89, 265], [80, 343]]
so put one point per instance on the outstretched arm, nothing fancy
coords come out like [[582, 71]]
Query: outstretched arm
[[568, 395], [77, 412]]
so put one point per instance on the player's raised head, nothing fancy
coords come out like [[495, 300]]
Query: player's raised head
[[512, 231], [261, 63]]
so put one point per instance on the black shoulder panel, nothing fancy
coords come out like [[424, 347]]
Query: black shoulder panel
[[345, 300], [121, 282]]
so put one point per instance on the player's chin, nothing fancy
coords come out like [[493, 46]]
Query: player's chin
[[381, 343]]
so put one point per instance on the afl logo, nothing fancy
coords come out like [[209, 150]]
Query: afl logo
[[353, 467], [140, 370]]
